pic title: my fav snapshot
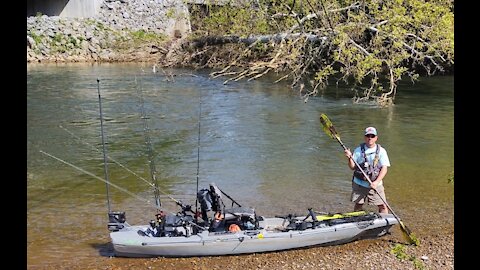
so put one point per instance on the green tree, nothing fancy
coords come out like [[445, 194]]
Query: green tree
[[368, 45]]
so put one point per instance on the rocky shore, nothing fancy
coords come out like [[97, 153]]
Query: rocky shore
[[122, 31]]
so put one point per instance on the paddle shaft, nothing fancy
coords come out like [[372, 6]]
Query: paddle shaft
[[370, 181]]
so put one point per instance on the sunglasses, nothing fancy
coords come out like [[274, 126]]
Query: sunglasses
[[370, 136]]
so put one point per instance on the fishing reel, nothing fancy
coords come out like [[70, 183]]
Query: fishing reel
[[185, 208]]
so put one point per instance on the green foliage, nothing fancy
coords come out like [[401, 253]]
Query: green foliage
[[170, 13], [234, 20], [61, 43], [413, 239], [418, 264], [372, 44], [451, 177], [37, 38], [100, 26], [143, 36], [75, 41], [90, 21], [322, 75], [399, 251], [136, 38], [56, 44], [57, 38]]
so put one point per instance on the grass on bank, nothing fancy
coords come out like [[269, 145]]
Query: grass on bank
[[399, 251]]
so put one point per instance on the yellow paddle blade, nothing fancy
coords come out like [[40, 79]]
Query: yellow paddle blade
[[340, 215], [412, 239], [328, 127]]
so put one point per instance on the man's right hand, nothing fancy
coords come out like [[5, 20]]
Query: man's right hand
[[348, 153]]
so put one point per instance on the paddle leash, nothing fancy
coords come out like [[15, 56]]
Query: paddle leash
[[329, 129]]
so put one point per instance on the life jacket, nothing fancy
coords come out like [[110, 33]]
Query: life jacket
[[372, 170]]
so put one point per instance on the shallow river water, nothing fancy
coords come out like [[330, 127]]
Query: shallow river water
[[258, 141]]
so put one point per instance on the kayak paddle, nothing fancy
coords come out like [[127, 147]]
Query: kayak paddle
[[329, 129]]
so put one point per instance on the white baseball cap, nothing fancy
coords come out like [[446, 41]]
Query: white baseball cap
[[371, 130]]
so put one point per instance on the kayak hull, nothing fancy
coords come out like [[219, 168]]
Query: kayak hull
[[271, 236]]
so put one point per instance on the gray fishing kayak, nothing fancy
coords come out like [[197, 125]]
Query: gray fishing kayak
[[182, 238]]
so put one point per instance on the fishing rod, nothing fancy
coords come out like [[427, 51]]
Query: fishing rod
[[120, 188], [198, 149], [109, 157], [99, 178], [121, 165], [148, 142], [198, 156], [105, 161], [231, 199], [115, 186]]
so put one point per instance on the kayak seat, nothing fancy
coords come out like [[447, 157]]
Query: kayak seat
[[239, 213], [244, 217]]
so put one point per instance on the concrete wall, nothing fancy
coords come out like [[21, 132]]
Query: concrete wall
[[81, 8], [64, 8]]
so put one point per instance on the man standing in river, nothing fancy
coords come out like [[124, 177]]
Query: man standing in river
[[374, 161]]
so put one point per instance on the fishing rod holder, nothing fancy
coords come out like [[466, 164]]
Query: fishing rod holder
[[116, 221]]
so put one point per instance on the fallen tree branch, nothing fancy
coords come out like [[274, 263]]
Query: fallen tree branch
[[277, 38]]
